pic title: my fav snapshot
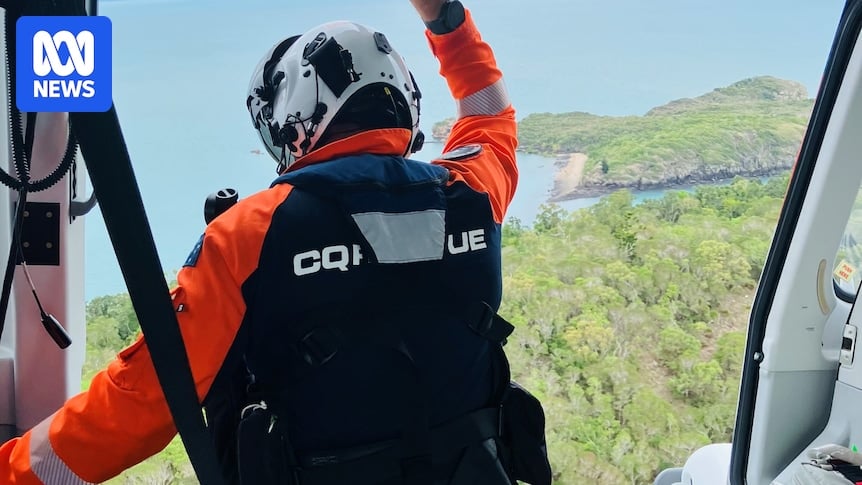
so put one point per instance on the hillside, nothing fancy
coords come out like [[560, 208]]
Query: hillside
[[752, 127]]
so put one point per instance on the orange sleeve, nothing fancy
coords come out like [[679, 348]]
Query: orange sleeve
[[123, 417], [485, 114]]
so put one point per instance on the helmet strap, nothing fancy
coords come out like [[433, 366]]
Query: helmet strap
[[282, 163]]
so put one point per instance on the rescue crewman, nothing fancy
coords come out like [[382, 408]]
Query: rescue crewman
[[340, 301]]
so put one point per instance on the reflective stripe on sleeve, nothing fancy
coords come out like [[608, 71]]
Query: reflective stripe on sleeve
[[45, 463], [489, 101]]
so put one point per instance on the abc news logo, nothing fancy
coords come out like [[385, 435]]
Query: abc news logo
[[63, 64], [46, 59]]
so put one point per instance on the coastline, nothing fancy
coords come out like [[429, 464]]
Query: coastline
[[569, 173], [570, 169]]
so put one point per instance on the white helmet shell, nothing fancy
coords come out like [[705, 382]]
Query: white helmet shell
[[303, 82]]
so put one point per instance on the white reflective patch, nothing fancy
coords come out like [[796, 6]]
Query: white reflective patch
[[489, 101], [404, 237], [44, 461]]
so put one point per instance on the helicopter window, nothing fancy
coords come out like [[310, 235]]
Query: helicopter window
[[847, 273]]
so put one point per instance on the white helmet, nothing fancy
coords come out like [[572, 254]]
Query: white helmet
[[339, 71]]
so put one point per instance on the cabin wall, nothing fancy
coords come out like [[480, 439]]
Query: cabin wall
[[797, 396], [45, 375], [36, 376]]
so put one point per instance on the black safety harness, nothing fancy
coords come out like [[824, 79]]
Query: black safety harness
[[413, 459]]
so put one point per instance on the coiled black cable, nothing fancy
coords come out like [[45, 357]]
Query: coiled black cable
[[22, 149]]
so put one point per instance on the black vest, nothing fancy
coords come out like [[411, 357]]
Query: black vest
[[379, 250]]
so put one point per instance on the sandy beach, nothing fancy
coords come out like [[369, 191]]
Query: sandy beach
[[569, 175]]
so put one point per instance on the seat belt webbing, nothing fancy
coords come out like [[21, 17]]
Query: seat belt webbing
[[107, 159]]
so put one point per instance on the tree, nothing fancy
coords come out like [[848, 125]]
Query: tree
[[549, 219], [616, 211]]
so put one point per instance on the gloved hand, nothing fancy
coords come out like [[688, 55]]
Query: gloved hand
[[428, 9], [837, 452], [812, 475]]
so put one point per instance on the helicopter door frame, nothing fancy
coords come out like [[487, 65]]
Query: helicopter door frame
[[790, 363]]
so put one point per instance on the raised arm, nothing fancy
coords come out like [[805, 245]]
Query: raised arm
[[481, 147]]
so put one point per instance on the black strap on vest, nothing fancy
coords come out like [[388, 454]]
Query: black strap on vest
[[381, 462], [408, 459], [317, 342]]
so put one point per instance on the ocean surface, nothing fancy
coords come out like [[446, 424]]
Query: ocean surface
[[181, 71]]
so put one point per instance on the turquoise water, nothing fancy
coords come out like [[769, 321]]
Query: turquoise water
[[181, 70]]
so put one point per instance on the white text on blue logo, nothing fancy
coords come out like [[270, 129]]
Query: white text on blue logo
[[81, 61]]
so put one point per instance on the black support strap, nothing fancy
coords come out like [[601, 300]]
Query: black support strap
[[483, 320], [110, 168], [101, 142], [380, 462], [318, 340]]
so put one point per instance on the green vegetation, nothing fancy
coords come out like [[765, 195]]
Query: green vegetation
[[753, 127], [630, 327], [111, 326], [441, 129], [631, 323]]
